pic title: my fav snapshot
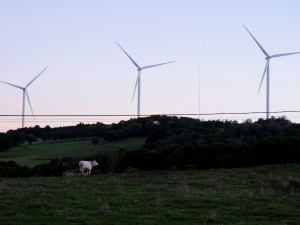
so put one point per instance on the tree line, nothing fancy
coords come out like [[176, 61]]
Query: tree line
[[29, 135]]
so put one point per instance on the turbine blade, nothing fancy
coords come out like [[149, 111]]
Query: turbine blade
[[12, 85], [261, 48], [146, 67], [35, 78], [263, 76], [129, 57], [284, 54], [27, 96], [136, 83]]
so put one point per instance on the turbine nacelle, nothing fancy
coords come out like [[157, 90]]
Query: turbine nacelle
[[138, 79], [267, 67], [25, 94]]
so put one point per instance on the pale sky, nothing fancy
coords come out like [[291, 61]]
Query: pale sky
[[89, 74]]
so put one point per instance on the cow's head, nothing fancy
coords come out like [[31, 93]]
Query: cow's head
[[94, 163]]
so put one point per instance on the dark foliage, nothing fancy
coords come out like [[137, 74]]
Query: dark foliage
[[273, 150], [31, 138], [175, 143], [54, 168], [95, 140], [6, 141], [12, 169]]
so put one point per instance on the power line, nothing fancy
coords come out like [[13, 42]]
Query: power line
[[147, 115]]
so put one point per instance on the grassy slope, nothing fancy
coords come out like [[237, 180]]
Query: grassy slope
[[32, 155], [44, 149], [262, 195]]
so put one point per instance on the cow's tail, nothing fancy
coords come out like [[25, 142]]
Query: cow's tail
[[81, 167]]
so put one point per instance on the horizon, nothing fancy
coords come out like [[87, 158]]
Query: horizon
[[89, 74], [132, 117]]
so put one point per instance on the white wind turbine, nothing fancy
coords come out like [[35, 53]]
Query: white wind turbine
[[267, 70], [25, 93], [138, 79]]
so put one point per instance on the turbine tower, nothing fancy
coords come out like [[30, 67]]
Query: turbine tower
[[138, 79], [267, 70], [25, 93]]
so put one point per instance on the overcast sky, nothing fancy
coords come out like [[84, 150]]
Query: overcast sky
[[89, 74]]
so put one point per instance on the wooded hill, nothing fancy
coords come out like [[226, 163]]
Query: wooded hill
[[182, 143]]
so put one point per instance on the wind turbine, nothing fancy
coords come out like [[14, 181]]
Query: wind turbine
[[138, 79], [267, 70], [25, 93]]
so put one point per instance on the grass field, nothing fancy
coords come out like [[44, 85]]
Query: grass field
[[263, 195], [31, 155]]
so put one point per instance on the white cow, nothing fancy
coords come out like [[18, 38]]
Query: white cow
[[87, 166]]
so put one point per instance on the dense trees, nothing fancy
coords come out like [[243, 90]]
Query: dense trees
[[20, 136], [270, 150], [182, 143], [6, 141], [162, 130], [30, 138], [12, 169]]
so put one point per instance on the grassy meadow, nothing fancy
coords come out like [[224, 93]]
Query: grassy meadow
[[34, 154], [261, 195]]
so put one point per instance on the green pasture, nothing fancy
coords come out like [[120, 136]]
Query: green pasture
[[262, 195], [34, 154]]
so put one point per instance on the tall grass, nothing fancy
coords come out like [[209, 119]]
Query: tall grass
[[262, 195]]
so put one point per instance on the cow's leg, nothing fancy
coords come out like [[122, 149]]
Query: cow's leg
[[80, 168], [85, 171]]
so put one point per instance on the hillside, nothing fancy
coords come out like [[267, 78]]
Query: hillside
[[166, 143]]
